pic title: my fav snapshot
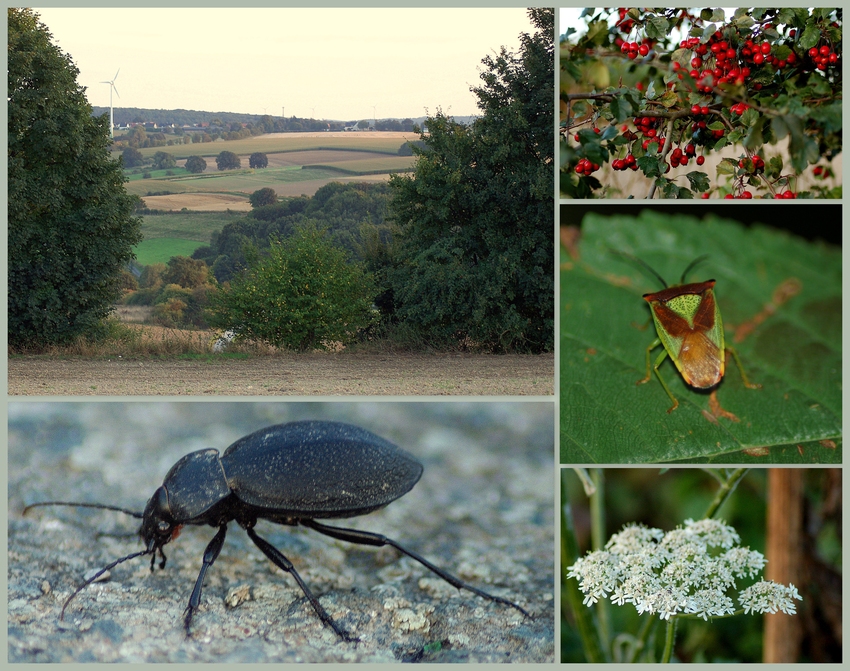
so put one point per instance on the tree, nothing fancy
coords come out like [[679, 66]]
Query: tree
[[258, 160], [304, 295], [474, 250], [70, 222], [163, 161], [196, 164], [696, 86], [132, 157], [264, 196], [186, 272], [227, 160]]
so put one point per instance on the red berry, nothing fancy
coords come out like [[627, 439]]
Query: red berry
[[765, 48], [643, 50], [833, 58], [700, 160], [758, 59], [696, 109], [813, 52], [824, 50], [704, 110], [746, 195]]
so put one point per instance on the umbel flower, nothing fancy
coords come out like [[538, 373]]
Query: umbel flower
[[685, 571]]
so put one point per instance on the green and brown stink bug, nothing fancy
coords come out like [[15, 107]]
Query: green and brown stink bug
[[687, 320]]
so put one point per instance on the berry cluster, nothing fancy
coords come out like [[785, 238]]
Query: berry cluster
[[822, 171], [585, 167], [628, 163], [823, 57], [755, 164]]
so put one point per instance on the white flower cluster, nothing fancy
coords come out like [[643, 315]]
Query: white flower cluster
[[687, 570]]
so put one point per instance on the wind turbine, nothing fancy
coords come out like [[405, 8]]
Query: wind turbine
[[375, 115], [111, 89]]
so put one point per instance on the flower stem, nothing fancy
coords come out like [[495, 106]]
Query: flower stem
[[670, 639], [727, 486]]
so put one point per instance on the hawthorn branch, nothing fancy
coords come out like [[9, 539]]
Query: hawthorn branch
[[668, 141]]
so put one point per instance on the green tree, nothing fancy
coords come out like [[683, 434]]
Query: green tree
[[163, 161], [70, 222], [132, 157], [186, 272], [227, 160], [264, 196], [304, 295], [258, 160], [196, 164], [474, 256]]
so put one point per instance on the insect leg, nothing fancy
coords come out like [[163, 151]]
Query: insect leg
[[655, 343], [369, 538], [210, 555], [284, 564], [658, 362], [747, 383]]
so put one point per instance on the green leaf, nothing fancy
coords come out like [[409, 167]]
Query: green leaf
[[749, 117], [727, 166], [810, 37], [657, 27], [794, 352], [699, 180]]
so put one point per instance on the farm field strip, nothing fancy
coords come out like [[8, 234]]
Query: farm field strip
[[159, 250], [281, 142]]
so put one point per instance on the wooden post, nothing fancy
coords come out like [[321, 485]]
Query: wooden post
[[782, 633]]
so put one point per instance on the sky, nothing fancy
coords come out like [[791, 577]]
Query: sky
[[340, 63]]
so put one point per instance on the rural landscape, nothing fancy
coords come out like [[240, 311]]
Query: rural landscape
[[245, 257]]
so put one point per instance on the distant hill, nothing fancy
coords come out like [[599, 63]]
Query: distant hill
[[181, 117]]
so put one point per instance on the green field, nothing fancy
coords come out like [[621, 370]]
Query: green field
[[159, 250], [189, 226], [271, 144]]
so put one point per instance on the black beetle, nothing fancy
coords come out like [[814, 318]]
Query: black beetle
[[292, 474]]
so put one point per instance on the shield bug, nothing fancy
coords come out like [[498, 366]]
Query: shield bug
[[687, 321]]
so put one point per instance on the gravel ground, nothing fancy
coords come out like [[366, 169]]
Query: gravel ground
[[288, 375], [483, 510]]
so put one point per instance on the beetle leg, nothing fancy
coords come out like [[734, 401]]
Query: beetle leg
[[284, 564], [210, 555], [369, 538]]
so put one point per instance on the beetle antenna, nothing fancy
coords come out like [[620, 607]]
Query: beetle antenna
[[102, 506], [697, 260], [641, 263], [100, 573]]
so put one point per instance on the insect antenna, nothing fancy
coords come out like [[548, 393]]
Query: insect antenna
[[643, 264], [697, 260], [100, 573], [102, 506]]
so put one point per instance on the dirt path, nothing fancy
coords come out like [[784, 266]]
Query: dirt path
[[305, 374]]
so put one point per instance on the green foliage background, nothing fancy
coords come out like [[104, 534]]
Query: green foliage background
[[795, 354]]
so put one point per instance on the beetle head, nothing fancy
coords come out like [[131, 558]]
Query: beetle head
[[158, 524]]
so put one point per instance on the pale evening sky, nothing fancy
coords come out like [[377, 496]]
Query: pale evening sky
[[325, 63]]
